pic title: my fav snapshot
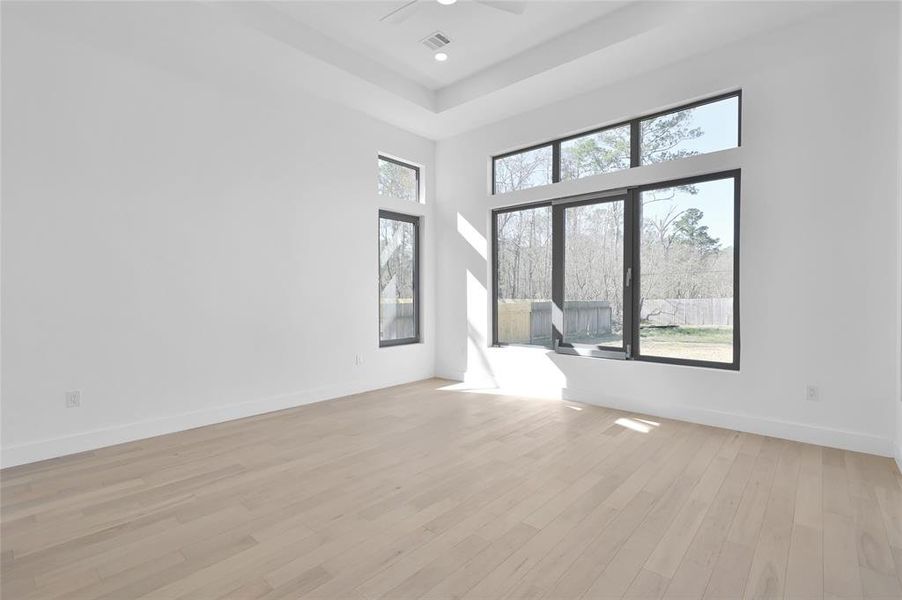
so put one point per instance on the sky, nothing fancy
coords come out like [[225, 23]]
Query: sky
[[718, 122], [714, 199]]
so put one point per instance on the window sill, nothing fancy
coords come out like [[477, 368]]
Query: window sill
[[396, 343]]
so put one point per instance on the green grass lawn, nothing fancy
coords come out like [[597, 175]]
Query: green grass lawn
[[697, 343], [708, 335]]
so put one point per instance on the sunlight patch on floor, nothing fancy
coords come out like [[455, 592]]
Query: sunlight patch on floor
[[539, 393], [640, 425]]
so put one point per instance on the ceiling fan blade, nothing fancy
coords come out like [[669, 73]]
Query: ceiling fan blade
[[400, 14], [514, 7]]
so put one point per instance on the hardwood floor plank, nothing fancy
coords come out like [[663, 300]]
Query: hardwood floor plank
[[767, 576], [624, 549], [805, 569], [692, 576], [842, 578], [419, 492], [731, 571]]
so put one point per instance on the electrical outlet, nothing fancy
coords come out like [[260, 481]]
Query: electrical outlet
[[812, 394], [73, 399], [358, 359]]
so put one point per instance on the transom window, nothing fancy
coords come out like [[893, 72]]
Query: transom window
[[698, 128], [398, 179], [523, 169]]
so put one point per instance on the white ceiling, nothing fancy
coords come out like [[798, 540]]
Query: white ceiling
[[502, 64], [481, 34]]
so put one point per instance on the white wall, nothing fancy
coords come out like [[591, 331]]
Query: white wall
[[164, 217], [899, 258], [819, 267], [178, 245]]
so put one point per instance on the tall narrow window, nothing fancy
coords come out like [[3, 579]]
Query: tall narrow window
[[399, 305], [687, 254], [523, 276], [399, 179], [689, 131]]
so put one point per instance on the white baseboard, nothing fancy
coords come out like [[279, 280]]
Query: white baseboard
[[100, 438], [799, 432], [451, 375], [474, 378], [898, 457]]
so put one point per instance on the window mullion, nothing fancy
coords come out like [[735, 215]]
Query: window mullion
[[635, 143], [557, 275], [633, 220]]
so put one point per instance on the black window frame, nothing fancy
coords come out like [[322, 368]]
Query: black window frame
[[559, 270], [555, 160], [415, 221], [632, 349], [407, 165], [496, 266], [636, 132], [736, 175], [635, 136], [557, 146]]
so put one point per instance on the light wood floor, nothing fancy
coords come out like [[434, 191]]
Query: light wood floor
[[413, 492]]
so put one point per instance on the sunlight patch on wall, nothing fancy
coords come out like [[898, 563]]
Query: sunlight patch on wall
[[477, 301], [476, 240], [478, 366], [515, 371]]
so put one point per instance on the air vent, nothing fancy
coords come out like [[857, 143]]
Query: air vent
[[436, 40]]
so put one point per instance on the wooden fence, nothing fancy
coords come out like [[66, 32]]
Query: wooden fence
[[703, 312], [528, 322], [397, 320]]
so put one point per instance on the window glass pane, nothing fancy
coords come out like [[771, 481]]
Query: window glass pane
[[398, 180], [593, 274], [524, 170], [524, 276], [596, 153], [686, 291], [397, 296], [706, 128]]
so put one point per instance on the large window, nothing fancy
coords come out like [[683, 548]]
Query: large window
[[645, 273], [698, 128], [687, 254], [399, 305], [398, 179]]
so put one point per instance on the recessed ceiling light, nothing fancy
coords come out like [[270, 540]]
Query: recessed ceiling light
[[447, 2], [441, 56]]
